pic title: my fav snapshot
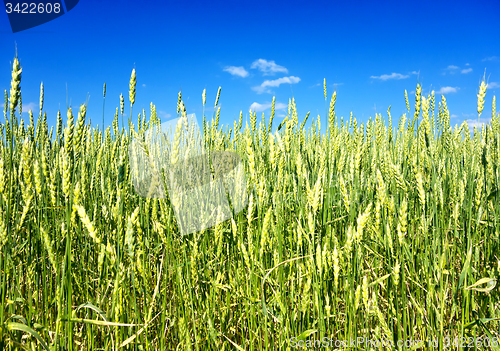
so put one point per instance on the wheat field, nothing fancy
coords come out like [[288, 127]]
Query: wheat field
[[379, 230]]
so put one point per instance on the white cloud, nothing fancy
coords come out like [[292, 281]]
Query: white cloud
[[493, 85], [279, 81], [452, 67], [390, 76], [414, 72], [491, 58], [33, 106], [453, 116], [275, 83], [262, 107], [447, 90], [466, 70], [467, 64], [475, 123], [268, 67], [236, 71], [144, 85], [259, 107]]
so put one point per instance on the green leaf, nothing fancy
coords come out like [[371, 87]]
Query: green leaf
[[20, 318], [92, 307], [465, 269], [24, 328], [490, 281], [97, 322], [306, 334], [479, 321]]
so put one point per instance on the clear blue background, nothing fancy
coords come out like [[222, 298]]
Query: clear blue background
[[371, 50]]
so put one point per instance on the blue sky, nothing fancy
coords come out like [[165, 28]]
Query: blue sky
[[369, 51]]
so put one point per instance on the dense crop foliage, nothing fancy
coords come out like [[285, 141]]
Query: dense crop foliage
[[357, 231]]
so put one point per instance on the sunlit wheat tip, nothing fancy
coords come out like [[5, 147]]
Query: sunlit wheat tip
[[132, 84]]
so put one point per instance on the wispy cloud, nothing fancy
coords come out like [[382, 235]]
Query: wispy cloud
[[334, 85], [33, 106], [390, 76], [259, 90], [144, 85], [26, 108], [275, 83], [256, 107], [453, 116], [163, 114], [236, 71], [491, 58], [466, 70], [447, 90], [493, 85], [268, 67], [451, 69]]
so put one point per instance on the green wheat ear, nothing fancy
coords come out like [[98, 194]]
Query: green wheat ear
[[132, 84], [480, 98]]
